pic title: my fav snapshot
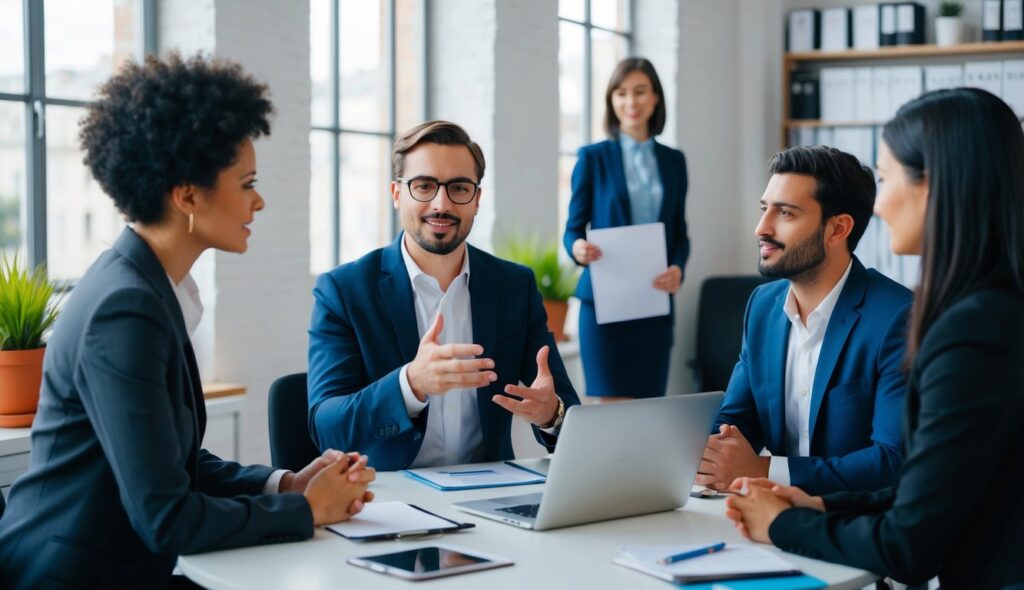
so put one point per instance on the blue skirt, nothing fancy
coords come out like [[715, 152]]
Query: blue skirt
[[625, 359]]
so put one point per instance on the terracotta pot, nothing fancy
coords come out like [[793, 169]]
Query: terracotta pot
[[556, 311], [21, 374]]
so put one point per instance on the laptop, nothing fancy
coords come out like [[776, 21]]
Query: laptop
[[615, 460]]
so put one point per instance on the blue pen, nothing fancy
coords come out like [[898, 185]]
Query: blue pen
[[688, 554]]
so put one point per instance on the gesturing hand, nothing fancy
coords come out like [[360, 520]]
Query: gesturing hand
[[439, 368], [540, 403], [728, 456], [584, 252]]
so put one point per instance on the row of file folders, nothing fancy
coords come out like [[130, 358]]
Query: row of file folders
[[873, 94], [871, 26]]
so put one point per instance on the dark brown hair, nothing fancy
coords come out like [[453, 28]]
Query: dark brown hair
[[439, 132], [656, 124]]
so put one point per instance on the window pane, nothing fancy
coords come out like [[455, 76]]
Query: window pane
[[81, 221], [320, 61], [321, 192], [365, 201], [573, 9], [12, 179], [571, 94], [86, 42], [409, 82], [364, 65], [12, 47], [607, 51], [610, 14]]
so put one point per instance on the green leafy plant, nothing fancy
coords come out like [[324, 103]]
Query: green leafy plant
[[555, 280], [27, 305], [950, 9]]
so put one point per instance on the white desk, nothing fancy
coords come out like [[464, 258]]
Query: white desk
[[574, 557]]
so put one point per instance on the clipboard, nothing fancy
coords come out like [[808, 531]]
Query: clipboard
[[382, 521]]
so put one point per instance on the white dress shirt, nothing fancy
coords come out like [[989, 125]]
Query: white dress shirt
[[453, 424], [187, 294], [801, 363]]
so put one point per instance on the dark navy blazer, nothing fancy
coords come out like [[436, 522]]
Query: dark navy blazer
[[600, 199], [858, 390], [118, 485], [363, 331]]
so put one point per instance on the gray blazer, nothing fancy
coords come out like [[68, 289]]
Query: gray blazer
[[118, 487]]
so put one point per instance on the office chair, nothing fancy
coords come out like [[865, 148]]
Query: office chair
[[3, 504], [723, 301], [291, 446]]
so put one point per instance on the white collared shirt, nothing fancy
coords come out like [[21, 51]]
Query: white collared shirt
[[453, 424], [801, 363], [187, 294]]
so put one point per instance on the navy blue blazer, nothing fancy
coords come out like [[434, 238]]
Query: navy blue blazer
[[600, 199], [363, 331], [118, 486], [858, 390]]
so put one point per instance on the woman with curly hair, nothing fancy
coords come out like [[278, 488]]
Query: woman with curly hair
[[118, 485]]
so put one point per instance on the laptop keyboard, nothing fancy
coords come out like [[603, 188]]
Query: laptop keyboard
[[527, 510]]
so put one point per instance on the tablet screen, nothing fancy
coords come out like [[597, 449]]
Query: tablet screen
[[426, 559]]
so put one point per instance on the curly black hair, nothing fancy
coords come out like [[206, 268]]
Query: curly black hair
[[166, 123]]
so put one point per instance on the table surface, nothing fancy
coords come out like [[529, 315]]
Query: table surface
[[579, 556]]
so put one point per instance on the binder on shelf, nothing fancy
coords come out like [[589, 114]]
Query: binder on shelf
[[835, 29], [909, 23], [881, 105], [804, 98], [824, 136], [837, 94], [863, 105], [946, 76], [804, 30], [866, 32], [905, 84], [1013, 20], [1013, 85], [991, 20], [987, 75], [887, 24]]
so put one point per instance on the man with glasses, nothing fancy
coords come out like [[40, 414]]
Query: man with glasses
[[417, 350]]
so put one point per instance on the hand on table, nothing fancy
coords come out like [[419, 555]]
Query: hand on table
[[336, 491], [727, 457]]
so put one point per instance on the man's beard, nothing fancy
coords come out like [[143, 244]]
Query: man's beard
[[437, 245], [800, 262]]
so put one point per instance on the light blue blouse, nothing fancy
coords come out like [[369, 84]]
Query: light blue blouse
[[642, 179]]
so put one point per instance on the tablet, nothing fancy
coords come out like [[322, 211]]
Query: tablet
[[425, 563]]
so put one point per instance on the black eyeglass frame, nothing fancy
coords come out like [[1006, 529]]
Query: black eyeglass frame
[[408, 182]]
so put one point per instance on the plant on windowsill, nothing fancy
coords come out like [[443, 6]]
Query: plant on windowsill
[[27, 311], [556, 281], [949, 25]]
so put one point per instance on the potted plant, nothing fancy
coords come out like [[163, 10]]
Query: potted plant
[[949, 25], [27, 310], [555, 281]]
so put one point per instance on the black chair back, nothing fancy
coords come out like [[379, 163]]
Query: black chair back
[[723, 301], [291, 446]]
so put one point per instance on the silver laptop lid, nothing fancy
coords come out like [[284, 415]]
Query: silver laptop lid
[[628, 458]]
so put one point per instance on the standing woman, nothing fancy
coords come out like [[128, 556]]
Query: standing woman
[[118, 486], [951, 173], [628, 179]]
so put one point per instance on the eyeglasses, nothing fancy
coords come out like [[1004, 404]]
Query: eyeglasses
[[460, 192]]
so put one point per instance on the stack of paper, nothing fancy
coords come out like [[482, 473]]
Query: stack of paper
[[476, 475], [738, 561]]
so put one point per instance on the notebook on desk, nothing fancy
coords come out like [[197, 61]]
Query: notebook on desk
[[738, 566]]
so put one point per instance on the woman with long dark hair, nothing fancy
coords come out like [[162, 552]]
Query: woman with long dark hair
[[628, 179], [951, 174]]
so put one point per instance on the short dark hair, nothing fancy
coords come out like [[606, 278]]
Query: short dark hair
[[169, 122], [656, 124], [439, 132], [842, 183]]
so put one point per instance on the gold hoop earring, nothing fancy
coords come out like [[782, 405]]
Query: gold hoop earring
[[191, 222]]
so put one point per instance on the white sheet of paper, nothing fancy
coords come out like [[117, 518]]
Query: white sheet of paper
[[476, 475], [736, 558], [386, 518], [632, 257]]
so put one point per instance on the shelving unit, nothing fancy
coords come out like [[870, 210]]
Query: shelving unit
[[901, 53]]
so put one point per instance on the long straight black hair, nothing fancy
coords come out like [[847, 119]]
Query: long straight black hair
[[970, 147]]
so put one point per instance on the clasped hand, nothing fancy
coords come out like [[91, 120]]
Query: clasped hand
[[334, 484], [754, 511], [439, 368]]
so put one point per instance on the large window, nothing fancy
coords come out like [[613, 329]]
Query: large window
[[53, 55], [368, 74], [594, 35]]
